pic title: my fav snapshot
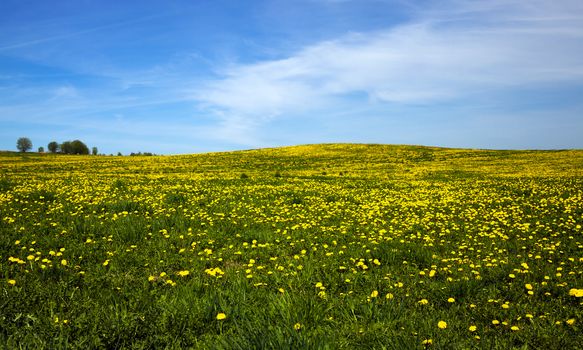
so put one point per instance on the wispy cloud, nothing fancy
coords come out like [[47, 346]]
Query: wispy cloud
[[448, 51]]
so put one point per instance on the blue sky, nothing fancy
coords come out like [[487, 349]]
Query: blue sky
[[194, 76]]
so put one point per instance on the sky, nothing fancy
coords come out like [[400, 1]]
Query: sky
[[176, 77]]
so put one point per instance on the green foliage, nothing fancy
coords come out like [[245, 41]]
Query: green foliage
[[5, 184], [78, 147], [23, 144], [66, 147], [74, 147], [53, 147]]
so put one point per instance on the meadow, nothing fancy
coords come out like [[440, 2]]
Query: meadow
[[307, 247]]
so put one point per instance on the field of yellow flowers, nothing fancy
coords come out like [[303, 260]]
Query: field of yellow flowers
[[317, 246]]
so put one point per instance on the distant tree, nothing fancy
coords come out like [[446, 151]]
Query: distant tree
[[141, 154], [79, 147], [66, 147], [119, 154], [53, 147], [23, 144], [94, 151], [41, 149], [74, 147]]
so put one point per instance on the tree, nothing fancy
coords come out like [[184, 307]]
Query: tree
[[66, 147], [94, 151], [53, 147], [74, 147], [79, 147], [41, 149], [23, 144]]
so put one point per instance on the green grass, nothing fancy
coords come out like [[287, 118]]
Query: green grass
[[408, 222]]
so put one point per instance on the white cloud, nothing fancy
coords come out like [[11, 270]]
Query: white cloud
[[448, 51]]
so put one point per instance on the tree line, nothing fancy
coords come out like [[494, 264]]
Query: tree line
[[24, 144]]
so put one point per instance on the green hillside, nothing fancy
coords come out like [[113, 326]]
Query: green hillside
[[337, 246]]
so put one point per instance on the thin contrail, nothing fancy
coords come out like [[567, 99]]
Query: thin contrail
[[81, 32]]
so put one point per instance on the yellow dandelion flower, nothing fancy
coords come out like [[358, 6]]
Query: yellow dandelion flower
[[571, 321], [297, 326], [451, 300], [514, 328], [423, 302], [374, 294], [183, 273], [473, 328], [11, 282], [427, 342], [221, 316], [528, 286], [390, 296], [64, 262], [442, 325], [495, 322]]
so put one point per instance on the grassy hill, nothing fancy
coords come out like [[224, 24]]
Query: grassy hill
[[313, 246], [352, 160]]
